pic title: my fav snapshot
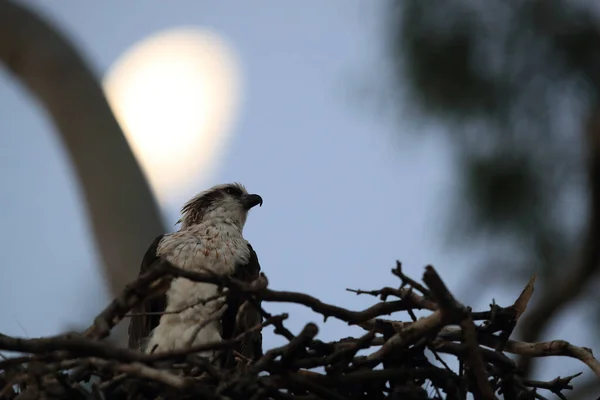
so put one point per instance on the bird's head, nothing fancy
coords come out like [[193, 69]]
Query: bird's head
[[229, 201]]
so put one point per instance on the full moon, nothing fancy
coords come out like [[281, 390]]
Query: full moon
[[175, 95]]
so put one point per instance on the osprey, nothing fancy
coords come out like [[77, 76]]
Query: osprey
[[191, 313]]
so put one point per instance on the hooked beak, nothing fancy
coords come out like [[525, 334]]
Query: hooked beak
[[251, 200]]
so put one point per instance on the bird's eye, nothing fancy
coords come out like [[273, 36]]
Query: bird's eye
[[233, 191]]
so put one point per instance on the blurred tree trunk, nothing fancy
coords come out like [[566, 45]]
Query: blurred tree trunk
[[123, 213], [568, 285]]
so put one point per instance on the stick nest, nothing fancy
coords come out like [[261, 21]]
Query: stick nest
[[397, 357]]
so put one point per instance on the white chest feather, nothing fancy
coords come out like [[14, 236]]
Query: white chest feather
[[217, 249]]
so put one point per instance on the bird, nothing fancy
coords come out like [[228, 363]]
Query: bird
[[187, 313]]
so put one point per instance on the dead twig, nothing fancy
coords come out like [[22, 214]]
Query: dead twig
[[58, 366]]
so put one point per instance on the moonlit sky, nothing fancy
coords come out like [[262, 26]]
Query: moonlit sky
[[185, 82], [344, 194]]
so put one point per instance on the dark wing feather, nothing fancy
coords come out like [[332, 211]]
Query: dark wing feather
[[140, 326], [233, 324]]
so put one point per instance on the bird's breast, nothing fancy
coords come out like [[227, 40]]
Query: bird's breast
[[218, 251], [206, 250]]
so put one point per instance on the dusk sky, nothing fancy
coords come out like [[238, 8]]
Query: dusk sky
[[346, 190]]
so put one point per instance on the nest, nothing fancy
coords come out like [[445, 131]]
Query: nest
[[396, 358]]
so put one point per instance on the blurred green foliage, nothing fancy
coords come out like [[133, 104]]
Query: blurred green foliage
[[514, 83]]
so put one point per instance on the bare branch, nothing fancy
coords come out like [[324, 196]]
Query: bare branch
[[454, 312], [57, 366]]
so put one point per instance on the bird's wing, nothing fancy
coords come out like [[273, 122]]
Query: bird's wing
[[241, 316], [140, 326]]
